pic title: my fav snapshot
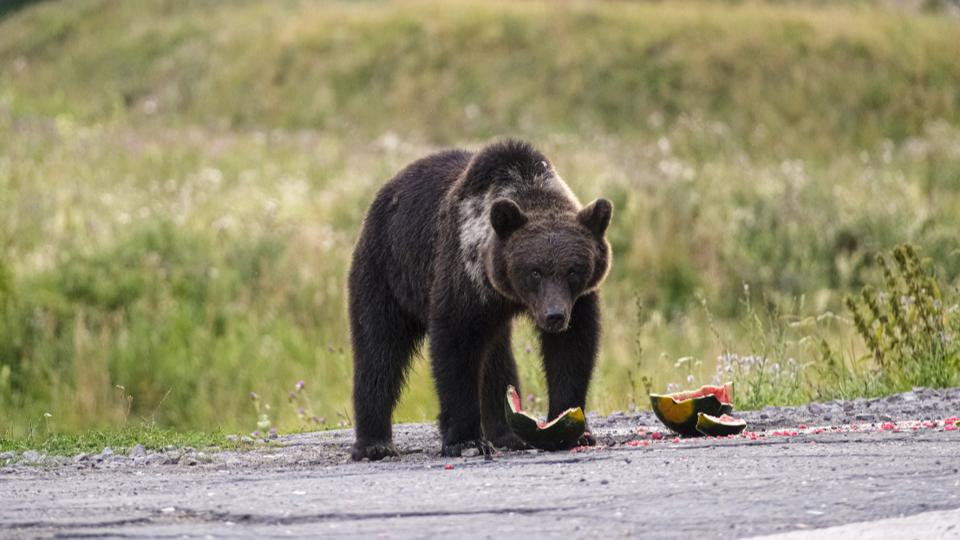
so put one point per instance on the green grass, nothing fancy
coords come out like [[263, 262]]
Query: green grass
[[183, 182], [118, 440]]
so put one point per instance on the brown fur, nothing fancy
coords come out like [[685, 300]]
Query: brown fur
[[455, 246]]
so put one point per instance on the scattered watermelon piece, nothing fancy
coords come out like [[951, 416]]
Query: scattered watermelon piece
[[719, 426], [678, 411], [561, 433]]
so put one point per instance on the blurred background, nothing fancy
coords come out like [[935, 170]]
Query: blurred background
[[182, 182]]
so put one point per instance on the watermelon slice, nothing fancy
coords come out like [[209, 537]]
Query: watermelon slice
[[678, 411], [719, 426], [561, 433]]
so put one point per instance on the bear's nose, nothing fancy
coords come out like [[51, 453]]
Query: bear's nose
[[554, 318]]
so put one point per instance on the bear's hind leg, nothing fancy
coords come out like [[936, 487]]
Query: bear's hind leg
[[384, 341]]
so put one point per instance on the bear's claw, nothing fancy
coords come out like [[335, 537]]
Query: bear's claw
[[510, 441], [456, 449], [373, 451]]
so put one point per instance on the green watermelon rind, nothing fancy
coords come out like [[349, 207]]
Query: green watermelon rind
[[561, 433], [712, 426], [687, 427]]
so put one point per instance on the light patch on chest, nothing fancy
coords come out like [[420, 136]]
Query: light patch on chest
[[476, 233]]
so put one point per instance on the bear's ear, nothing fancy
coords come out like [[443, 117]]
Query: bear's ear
[[596, 216], [506, 217]]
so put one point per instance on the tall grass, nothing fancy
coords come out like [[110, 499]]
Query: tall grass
[[182, 183]]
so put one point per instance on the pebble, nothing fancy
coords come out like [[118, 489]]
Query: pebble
[[31, 456], [471, 452], [156, 459], [107, 453], [4, 456], [246, 439], [137, 451]]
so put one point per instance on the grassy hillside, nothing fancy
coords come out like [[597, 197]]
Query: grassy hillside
[[781, 78], [183, 181]]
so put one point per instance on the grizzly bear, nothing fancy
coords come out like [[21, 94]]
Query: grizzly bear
[[454, 247]]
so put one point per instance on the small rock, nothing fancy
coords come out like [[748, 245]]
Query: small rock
[[31, 456], [107, 453], [246, 439], [188, 460], [137, 451], [232, 438], [864, 417], [815, 408], [117, 460], [80, 458], [886, 418], [5, 456], [471, 452], [155, 459]]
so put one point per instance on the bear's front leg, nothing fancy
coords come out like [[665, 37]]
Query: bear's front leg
[[499, 371], [456, 351], [569, 356]]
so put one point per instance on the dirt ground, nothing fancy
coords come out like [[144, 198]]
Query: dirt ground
[[796, 469]]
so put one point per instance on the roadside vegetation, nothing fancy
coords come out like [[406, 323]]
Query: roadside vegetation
[[119, 440], [181, 184]]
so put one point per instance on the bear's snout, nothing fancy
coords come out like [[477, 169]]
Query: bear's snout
[[554, 320], [552, 306]]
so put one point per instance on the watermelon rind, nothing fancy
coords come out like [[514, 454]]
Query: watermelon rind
[[681, 415], [713, 426], [561, 433]]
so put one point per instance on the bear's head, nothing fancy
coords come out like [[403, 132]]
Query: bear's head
[[546, 261]]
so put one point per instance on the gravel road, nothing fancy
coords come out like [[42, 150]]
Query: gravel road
[[839, 465]]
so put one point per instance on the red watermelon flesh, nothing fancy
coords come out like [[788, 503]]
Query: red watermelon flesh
[[514, 398], [517, 406], [723, 393]]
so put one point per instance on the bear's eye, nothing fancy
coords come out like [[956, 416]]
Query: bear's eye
[[535, 274], [572, 275]]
